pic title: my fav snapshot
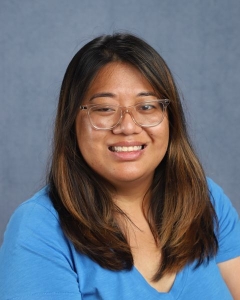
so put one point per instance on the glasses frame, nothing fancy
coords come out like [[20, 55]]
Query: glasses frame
[[125, 109]]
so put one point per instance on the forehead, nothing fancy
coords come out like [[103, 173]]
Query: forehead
[[119, 78]]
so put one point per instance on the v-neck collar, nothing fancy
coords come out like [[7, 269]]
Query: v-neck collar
[[175, 290]]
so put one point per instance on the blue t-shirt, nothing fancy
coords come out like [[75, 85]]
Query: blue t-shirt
[[38, 262]]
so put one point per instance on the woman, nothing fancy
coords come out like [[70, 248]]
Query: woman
[[128, 212]]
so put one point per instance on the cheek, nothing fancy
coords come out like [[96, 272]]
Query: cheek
[[160, 139], [166, 139], [84, 136], [166, 135], [160, 134], [90, 142], [86, 142], [88, 149]]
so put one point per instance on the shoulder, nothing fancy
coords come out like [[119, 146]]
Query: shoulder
[[222, 204], [216, 192], [228, 233], [33, 213], [35, 246], [33, 222], [39, 201]]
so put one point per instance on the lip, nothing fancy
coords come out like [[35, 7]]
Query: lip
[[127, 155], [127, 144]]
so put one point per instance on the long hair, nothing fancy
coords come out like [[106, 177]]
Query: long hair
[[181, 214]]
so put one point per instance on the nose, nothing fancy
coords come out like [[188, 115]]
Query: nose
[[127, 125]]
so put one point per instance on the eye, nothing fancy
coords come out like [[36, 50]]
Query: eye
[[103, 109], [147, 107]]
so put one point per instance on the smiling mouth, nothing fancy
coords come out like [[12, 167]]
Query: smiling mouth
[[126, 149]]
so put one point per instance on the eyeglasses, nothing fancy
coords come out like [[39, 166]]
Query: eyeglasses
[[145, 114]]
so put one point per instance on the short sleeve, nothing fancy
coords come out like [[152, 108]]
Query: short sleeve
[[229, 224], [35, 257]]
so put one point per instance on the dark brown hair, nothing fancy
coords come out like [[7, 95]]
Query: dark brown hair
[[181, 214]]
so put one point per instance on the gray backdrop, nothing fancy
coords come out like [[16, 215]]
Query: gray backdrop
[[199, 39]]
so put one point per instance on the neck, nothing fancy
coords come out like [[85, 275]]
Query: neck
[[133, 200], [131, 193]]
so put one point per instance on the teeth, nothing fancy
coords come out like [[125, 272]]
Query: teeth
[[126, 149]]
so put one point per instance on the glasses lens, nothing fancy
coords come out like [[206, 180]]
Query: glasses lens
[[145, 114], [104, 116], [149, 113]]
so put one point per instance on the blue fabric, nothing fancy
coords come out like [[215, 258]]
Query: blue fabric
[[38, 262]]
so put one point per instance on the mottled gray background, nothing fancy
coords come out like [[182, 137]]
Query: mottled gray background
[[199, 39]]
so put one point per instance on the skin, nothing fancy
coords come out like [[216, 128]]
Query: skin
[[230, 271], [131, 173], [122, 85]]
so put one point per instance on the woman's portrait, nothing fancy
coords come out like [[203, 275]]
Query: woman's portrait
[[127, 210]]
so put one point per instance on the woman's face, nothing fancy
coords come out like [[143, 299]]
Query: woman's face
[[112, 153]]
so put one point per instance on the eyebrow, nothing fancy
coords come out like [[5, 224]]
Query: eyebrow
[[146, 94], [111, 95], [102, 95]]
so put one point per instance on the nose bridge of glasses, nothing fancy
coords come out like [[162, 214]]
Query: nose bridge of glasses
[[127, 109]]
